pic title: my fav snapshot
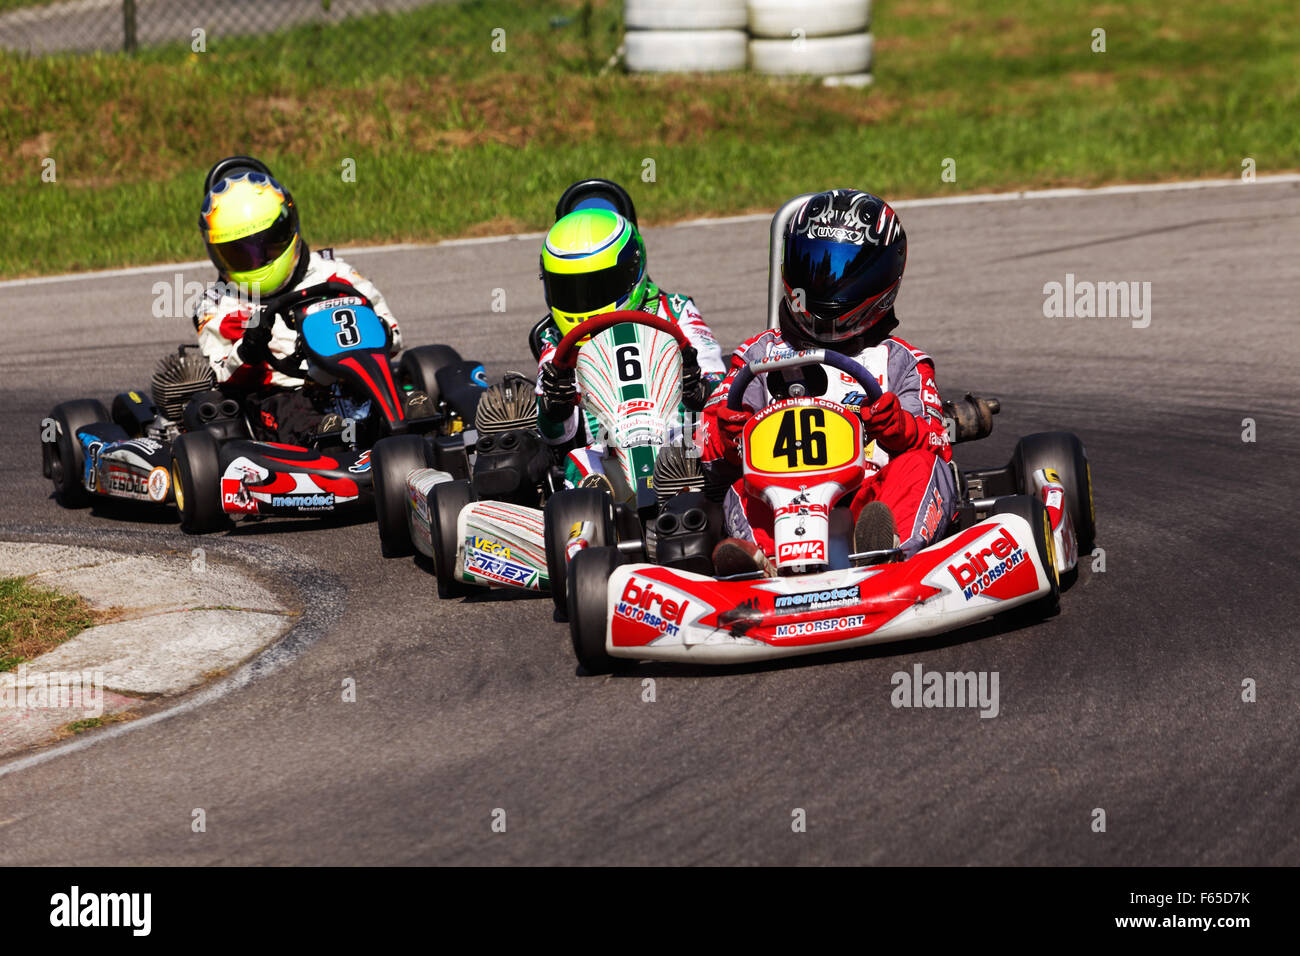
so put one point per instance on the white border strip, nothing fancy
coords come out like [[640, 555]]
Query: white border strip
[[960, 200]]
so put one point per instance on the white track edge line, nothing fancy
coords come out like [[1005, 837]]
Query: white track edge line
[[960, 200]]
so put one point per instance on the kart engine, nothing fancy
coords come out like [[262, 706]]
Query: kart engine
[[177, 378], [970, 418], [507, 407], [512, 459]]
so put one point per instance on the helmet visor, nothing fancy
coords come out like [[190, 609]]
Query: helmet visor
[[580, 293], [258, 250], [835, 277]]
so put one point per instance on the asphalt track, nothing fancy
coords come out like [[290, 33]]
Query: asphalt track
[[1129, 700]]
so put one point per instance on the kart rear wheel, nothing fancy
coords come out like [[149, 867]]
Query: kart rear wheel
[[1035, 512], [1064, 453], [564, 511], [588, 608], [64, 459], [446, 501], [196, 482], [391, 461], [419, 368]]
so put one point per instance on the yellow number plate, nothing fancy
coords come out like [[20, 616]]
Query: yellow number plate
[[802, 438]]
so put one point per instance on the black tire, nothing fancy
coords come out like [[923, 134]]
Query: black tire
[[391, 461], [1063, 452], [565, 509], [1035, 512], [588, 611], [196, 483], [64, 457], [446, 501], [419, 368]]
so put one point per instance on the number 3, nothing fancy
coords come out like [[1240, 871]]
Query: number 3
[[348, 335]]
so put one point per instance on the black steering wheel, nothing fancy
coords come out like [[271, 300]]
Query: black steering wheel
[[288, 306]]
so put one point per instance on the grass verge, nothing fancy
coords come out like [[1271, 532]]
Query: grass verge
[[449, 137], [34, 620]]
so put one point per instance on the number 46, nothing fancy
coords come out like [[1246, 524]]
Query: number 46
[[802, 435]]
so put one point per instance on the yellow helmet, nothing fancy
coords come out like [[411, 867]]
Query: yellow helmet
[[250, 228], [593, 262]]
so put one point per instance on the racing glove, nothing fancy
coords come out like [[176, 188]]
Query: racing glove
[[891, 426], [695, 391], [254, 345], [559, 392], [730, 426]]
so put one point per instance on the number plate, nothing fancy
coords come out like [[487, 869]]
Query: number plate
[[802, 436], [342, 325]]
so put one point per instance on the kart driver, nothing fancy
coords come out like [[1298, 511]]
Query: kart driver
[[249, 225], [842, 262], [594, 261]]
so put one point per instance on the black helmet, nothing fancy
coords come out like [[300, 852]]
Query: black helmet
[[841, 265]]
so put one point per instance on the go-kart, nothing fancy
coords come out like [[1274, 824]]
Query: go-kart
[[1018, 531], [184, 442], [491, 529]]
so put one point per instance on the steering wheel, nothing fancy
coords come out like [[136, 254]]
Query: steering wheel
[[287, 305], [566, 353], [736, 395]]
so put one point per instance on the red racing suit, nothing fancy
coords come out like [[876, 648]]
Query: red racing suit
[[907, 465]]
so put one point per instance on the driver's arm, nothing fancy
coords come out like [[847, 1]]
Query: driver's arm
[[910, 415]]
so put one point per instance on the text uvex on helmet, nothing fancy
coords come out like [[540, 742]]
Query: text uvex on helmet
[[593, 262], [842, 263], [250, 226]]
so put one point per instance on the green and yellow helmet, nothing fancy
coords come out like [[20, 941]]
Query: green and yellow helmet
[[250, 227], [593, 262]]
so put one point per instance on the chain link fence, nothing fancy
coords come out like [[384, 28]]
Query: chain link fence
[[41, 27]]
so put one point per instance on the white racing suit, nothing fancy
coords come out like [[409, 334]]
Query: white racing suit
[[220, 317], [276, 407]]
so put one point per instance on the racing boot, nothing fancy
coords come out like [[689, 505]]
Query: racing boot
[[734, 556], [330, 426], [418, 404], [875, 529]]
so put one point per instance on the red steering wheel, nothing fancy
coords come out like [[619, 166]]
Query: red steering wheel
[[566, 353]]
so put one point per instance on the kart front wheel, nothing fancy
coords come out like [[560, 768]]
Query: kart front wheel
[[446, 501], [419, 368], [62, 457], [565, 513], [1063, 453], [588, 596], [391, 461], [1035, 512], [196, 482]]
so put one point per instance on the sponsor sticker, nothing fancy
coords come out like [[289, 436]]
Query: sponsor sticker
[[812, 600], [977, 574], [486, 545], [316, 502], [160, 483], [361, 465], [642, 604], [486, 565], [803, 628], [801, 551], [126, 482]]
